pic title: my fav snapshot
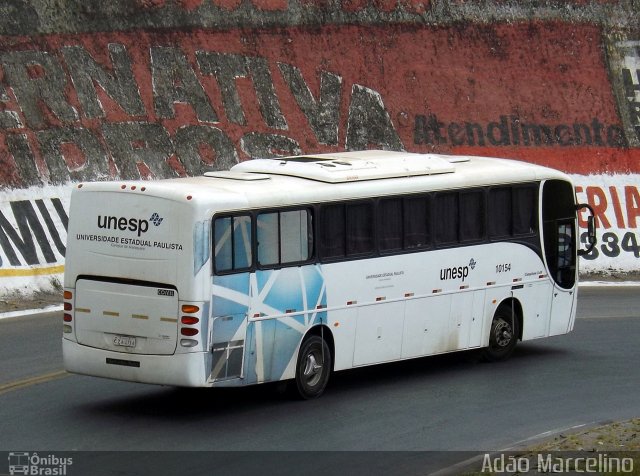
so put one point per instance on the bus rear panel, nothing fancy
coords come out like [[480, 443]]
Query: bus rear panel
[[129, 277]]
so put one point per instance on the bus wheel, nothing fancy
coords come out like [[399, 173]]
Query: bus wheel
[[313, 368], [503, 337]]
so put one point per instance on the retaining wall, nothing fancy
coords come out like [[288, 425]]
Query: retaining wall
[[151, 89]]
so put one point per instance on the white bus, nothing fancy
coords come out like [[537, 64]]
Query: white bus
[[291, 268]]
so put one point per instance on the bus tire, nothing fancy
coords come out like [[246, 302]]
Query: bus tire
[[503, 336], [313, 367]]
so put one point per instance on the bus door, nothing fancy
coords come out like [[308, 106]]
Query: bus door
[[560, 249], [230, 295]]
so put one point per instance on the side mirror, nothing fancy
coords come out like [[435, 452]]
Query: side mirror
[[591, 229]]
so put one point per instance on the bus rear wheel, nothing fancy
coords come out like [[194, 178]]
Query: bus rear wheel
[[503, 337], [313, 368]]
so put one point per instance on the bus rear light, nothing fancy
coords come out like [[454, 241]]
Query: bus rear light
[[67, 295], [189, 320], [188, 342], [67, 306], [189, 331], [190, 308], [67, 318], [67, 329]]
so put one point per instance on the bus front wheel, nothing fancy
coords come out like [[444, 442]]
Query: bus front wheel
[[503, 337], [313, 367]]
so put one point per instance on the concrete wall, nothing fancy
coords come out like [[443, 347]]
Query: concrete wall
[[93, 90]]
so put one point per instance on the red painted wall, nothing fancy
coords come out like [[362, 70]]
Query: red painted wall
[[161, 88], [534, 91]]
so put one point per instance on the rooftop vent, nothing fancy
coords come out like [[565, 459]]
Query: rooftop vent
[[351, 166]]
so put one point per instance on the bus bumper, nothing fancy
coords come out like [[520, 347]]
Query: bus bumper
[[181, 370]]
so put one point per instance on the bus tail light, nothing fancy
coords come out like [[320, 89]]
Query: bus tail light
[[67, 316], [189, 320]]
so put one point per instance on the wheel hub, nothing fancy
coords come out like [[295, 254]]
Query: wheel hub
[[312, 370], [503, 334]]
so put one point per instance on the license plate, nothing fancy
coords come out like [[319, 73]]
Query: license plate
[[124, 341]]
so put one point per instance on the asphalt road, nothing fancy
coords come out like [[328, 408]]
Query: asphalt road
[[432, 404]]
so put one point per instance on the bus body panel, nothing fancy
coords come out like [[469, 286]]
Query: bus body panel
[[229, 309], [129, 257], [563, 308], [128, 236], [415, 306], [124, 246], [126, 318], [534, 299], [267, 313], [185, 370]]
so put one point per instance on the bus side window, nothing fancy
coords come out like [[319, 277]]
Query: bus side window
[[268, 240], [284, 237], [346, 229], [296, 237], [332, 231], [359, 228], [232, 243], [525, 211], [500, 213], [390, 230], [472, 215], [446, 218], [416, 223]]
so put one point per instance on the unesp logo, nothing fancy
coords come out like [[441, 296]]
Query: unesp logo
[[457, 272], [132, 224], [156, 219]]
